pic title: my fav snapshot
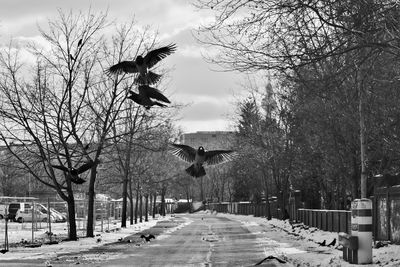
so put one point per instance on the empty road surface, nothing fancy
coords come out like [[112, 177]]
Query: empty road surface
[[202, 239]]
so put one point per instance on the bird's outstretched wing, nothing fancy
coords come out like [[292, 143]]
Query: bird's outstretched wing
[[152, 93], [63, 168], [77, 180], [184, 152], [124, 66], [86, 166], [154, 56], [214, 157]]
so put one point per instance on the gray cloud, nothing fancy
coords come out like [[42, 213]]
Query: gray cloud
[[206, 110]]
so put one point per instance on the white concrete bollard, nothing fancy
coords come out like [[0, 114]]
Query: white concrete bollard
[[362, 214]]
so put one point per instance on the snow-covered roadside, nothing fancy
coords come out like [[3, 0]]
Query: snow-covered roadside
[[299, 245], [83, 244]]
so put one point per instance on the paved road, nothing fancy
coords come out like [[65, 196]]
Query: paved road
[[206, 240], [185, 240]]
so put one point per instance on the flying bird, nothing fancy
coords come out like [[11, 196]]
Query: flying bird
[[148, 238], [142, 65], [144, 97], [200, 156], [323, 243], [73, 173]]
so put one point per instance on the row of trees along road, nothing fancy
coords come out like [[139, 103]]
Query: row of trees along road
[[64, 110], [336, 78]]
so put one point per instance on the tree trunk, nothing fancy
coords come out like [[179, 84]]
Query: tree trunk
[[131, 202], [130, 209], [136, 204], [141, 207], [146, 210], [154, 205], [91, 197], [124, 202], [71, 217], [163, 190]]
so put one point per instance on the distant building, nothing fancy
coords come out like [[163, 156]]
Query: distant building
[[210, 140]]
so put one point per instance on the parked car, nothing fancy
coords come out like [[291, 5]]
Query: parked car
[[14, 207], [27, 216], [57, 215]]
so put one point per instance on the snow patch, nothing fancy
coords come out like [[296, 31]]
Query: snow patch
[[167, 233]]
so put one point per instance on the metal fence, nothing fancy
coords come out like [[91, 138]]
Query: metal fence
[[327, 220], [29, 221], [386, 214]]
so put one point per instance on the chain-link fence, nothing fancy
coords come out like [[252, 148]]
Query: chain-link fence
[[29, 220]]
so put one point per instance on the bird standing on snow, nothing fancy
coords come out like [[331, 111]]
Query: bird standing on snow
[[145, 93], [73, 173], [200, 156], [142, 65]]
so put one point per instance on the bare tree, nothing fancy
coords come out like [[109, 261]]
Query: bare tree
[[288, 36], [64, 115]]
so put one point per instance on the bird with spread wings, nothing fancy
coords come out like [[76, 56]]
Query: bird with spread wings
[[73, 173], [200, 156], [145, 95], [141, 65]]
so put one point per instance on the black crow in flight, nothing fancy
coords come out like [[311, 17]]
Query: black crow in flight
[[200, 156], [144, 97], [142, 65], [73, 173]]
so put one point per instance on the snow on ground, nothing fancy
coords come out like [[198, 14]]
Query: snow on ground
[[111, 234], [297, 244], [300, 246], [168, 232]]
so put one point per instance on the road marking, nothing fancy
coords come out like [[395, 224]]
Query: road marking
[[211, 246]]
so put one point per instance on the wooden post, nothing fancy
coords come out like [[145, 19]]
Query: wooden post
[[6, 231], [33, 235], [49, 218]]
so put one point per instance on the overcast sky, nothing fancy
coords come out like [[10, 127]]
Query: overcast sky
[[209, 94]]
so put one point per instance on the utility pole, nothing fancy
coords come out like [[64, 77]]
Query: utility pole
[[363, 149]]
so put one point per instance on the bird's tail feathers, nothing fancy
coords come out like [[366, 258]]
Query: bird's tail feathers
[[149, 78], [196, 172]]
